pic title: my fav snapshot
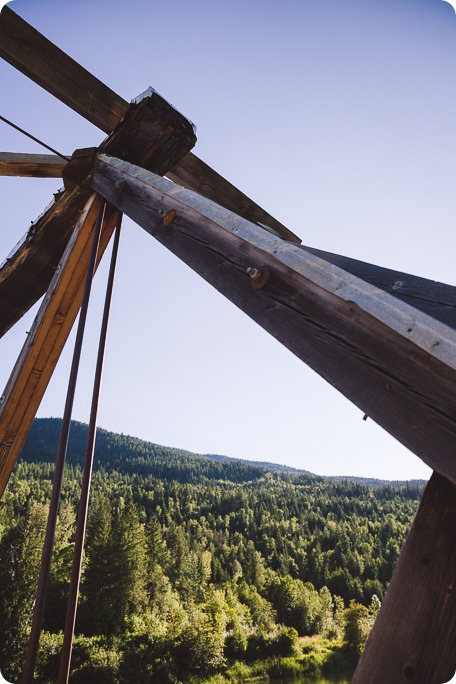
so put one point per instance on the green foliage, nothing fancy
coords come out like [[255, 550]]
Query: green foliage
[[357, 627], [20, 555], [193, 564]]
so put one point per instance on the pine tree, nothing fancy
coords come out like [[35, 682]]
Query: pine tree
[[129, 568], [20, 554]]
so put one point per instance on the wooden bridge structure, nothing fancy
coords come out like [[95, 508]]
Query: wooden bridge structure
[[385, 339]]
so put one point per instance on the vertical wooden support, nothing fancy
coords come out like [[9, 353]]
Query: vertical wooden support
[[414, 637], [47, 337]]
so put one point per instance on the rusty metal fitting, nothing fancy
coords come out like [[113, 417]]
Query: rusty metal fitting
[[259, 277], [120, 186], [169, 216]]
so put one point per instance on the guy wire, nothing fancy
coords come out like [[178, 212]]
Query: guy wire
[[32, 137]]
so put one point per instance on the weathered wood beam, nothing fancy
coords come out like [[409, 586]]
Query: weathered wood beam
[[397, 364], [31, 165], [433, 298], [153, 134], [27, 272], [47, 337], [43, 62], [194, 174], [414, 636]]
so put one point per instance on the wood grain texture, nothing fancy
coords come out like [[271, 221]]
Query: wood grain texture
[[414, 636], [194, 174], [47, 337], [43, 62], [31, 165], [394, 362], [433, 298], [152, 134]]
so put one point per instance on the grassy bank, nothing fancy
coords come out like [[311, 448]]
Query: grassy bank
[[315, 657]]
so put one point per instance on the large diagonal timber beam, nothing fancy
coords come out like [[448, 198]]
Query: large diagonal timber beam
[[395, 362], [413, 639], [43, 62], [47, 337]]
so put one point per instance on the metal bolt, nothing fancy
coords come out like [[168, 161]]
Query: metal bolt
[[259, 277], [254, 273], [120, 186]]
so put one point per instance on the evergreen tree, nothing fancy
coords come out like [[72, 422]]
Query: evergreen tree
[[20, 556]]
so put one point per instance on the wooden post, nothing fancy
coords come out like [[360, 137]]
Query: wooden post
[[46, 339], [414, 637]]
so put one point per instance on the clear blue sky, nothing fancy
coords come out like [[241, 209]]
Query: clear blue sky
[[338, 117]]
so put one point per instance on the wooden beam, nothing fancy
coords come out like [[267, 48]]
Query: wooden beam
[[47, 337], [397, 364], [433, 298], [31, 165], [27, 272], [153, 134], [194, 174], [43, 62], [414, 636]]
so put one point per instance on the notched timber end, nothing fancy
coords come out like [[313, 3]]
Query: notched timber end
[[151, 93], [153, 135]]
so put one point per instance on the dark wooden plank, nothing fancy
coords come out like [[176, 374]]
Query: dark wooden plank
[[433, 298], [414, 636], [43, 62], [47, 336], [196, 175], [152, 134], [26, 273], [31, 165], [394, 362]]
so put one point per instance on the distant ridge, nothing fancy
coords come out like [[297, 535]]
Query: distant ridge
[[278, 468], [125, 453]]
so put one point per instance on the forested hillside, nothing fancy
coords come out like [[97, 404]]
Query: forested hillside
[[193, 564]]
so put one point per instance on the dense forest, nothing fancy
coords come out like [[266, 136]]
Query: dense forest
[[196, 567]]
